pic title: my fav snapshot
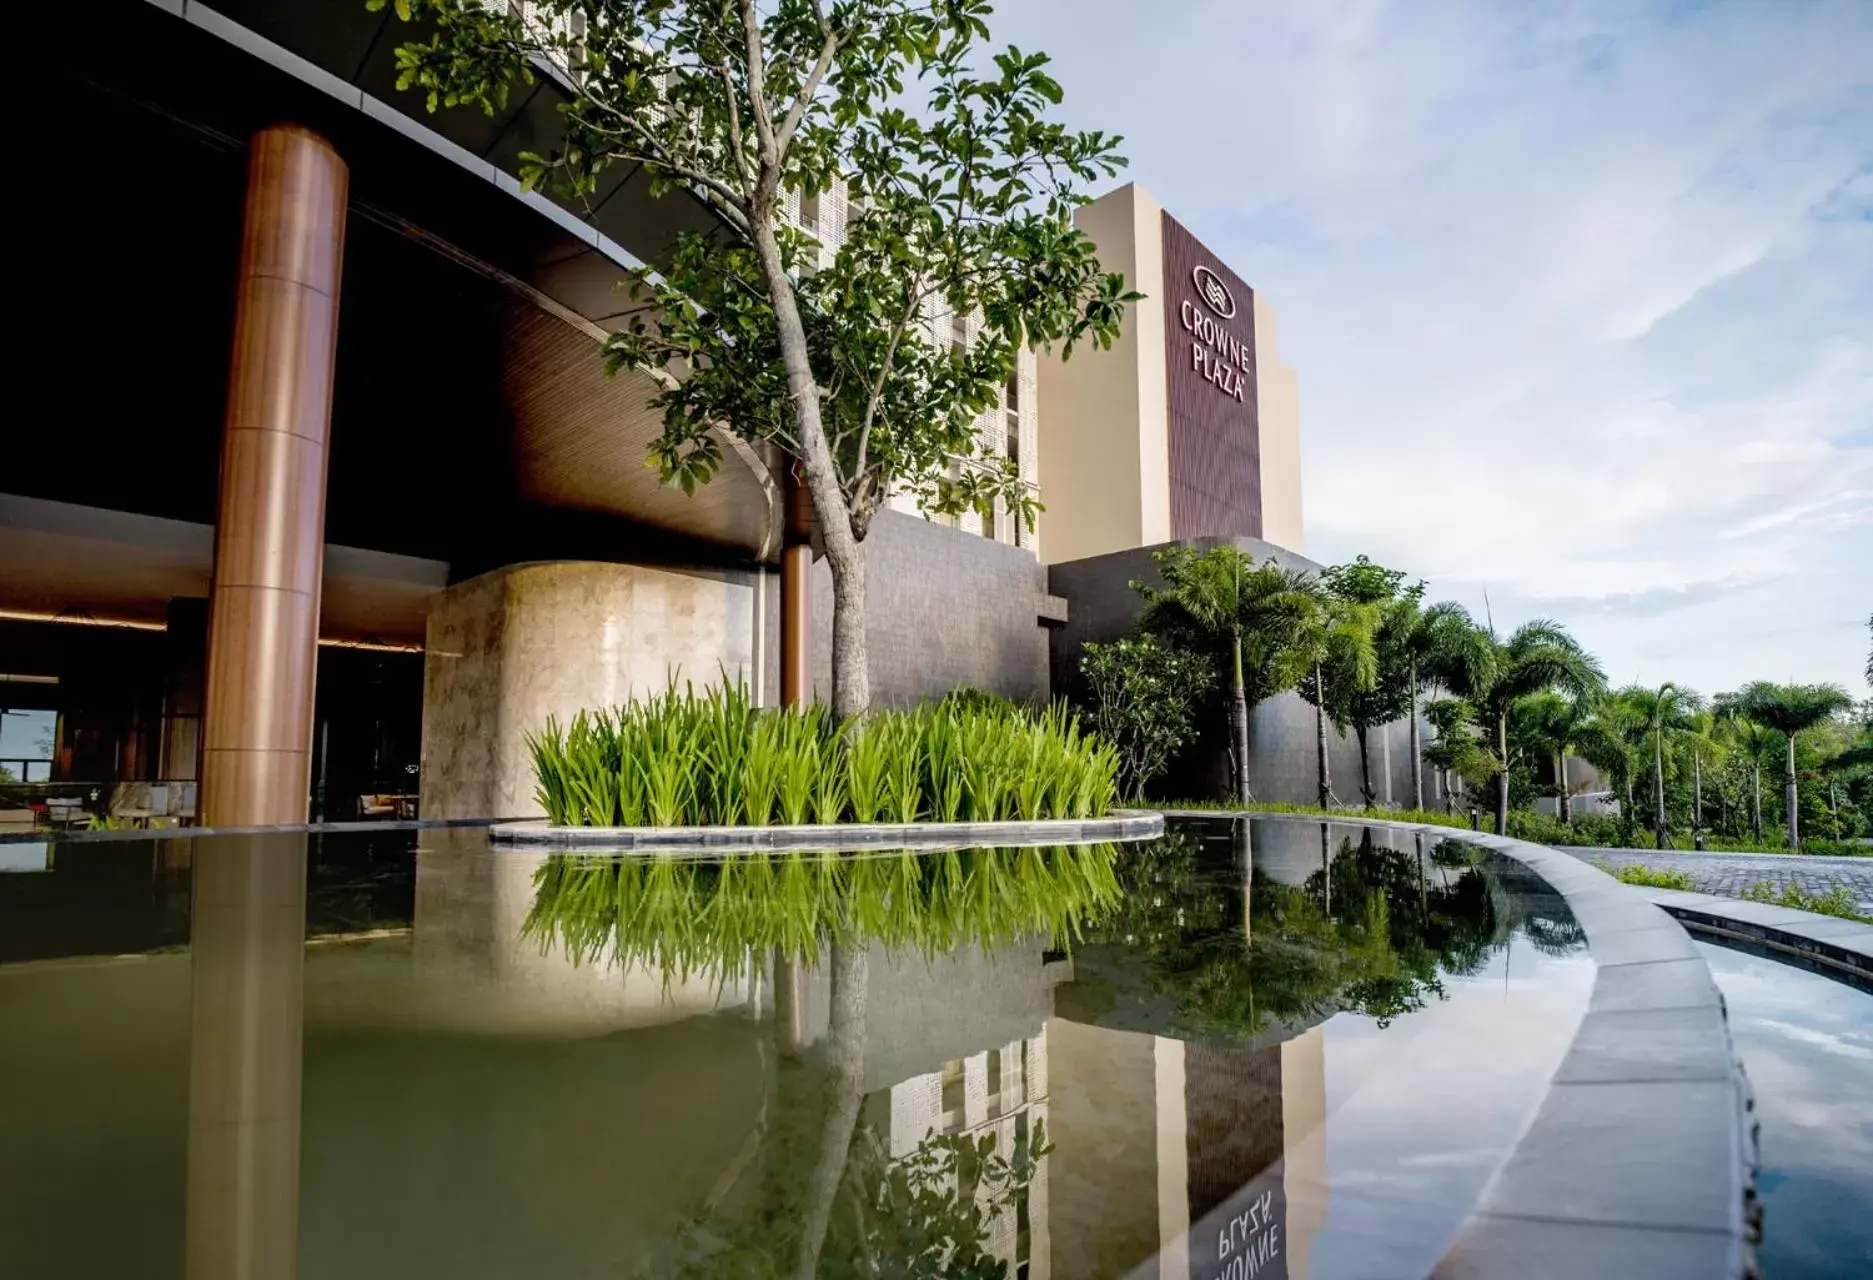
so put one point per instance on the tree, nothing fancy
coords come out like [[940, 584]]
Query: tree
[[1558, 726], [1337, 647], [1790, 709], [1439, 639], [1142, 697], [962, 191], [1539, 655], [1666, 710], [1455, 750], [1753, 742], [1392, 693], [1247, 614]]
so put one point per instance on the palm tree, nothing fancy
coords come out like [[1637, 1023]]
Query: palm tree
[[1666, 710], [1539, 655], [1563, 727], [1336, 646], [1701, 736], [1755, 741], [1791, 709], [1440, 639], [1246, 613]]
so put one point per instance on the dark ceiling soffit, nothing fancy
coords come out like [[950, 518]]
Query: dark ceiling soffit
[[340, 49]]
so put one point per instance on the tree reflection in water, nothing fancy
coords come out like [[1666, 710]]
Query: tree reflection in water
[[825, 1197], [1177, 924], [1369, 932]]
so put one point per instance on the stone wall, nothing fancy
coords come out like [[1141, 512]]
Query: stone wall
[[945, 608], [514, 646]]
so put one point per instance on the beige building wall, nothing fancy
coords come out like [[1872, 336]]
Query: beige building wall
[[1104, 460], [1103, 451], [1278, 414], [512, 647]]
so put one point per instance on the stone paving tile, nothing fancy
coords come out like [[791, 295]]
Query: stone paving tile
[[1728, 874]]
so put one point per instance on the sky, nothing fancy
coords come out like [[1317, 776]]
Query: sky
[[1580, 295]]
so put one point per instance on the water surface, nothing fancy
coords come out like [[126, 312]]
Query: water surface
[[1268, 1049], [1806, 1041]]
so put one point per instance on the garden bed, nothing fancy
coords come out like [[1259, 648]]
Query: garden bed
[[1119, 824]]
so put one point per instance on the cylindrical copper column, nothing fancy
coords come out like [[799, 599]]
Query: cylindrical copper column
[[270, 534], [796, 596], [247, 946]]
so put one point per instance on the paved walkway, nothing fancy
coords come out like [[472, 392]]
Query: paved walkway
[[1728, 874]]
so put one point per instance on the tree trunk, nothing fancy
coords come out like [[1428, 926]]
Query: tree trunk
[[1365, 767], [1658, 788], [1239, 728], [844, 1091], [1564, 803], [1502, 774], [851, 675], [1417, 745], [1793, 800], [1697, 790], [1755, 798], [1320, 736]]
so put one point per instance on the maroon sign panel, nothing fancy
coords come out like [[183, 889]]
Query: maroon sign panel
[[1209, 351]]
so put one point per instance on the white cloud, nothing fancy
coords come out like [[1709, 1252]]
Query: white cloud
[[1593, 278]]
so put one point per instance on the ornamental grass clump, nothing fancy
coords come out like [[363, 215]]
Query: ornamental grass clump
[[683, 758]]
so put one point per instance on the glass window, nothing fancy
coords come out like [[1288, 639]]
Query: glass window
[[26, 742]]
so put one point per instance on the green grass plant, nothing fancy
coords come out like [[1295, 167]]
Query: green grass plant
[[1649, 877], [1835, 902], [684, 758]]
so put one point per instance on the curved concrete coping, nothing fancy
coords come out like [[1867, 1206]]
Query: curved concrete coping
[[1828, 940], [1641, 1160], [844, 837]]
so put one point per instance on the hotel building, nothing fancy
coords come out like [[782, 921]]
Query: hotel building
[[340, 502]]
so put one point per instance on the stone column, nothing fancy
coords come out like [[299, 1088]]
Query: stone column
[[247, 945], [796, 596], [270, 533]]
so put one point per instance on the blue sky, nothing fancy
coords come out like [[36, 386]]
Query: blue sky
[[1580, 294]]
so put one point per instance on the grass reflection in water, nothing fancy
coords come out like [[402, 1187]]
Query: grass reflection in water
[[683, 917]]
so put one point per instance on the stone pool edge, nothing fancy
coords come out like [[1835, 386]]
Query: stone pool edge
[[1119, 825], [1641, 1160], [1829, 940]]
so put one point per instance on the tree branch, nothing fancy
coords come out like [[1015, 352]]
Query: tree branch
[[810, 86], [739, 152], [757, 96]]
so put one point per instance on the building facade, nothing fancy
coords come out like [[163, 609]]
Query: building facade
[[360, 507], [1189, 426]]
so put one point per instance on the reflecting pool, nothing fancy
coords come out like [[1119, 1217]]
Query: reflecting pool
[[1807, 1042], [1268, 1049]]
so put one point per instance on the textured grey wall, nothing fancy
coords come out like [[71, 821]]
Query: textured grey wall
[[1103, 606], [945, 608]]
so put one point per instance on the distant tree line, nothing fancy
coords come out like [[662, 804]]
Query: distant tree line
[[1510, 717]]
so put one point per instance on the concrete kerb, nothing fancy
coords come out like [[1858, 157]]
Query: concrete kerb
[[1120, 825], [1647, 1134], [1845, 945]]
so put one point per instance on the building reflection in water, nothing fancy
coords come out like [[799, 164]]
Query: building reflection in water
[[1068, 1062]]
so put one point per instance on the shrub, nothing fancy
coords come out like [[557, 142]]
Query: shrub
[[1835, 902], [1650, 877], [1142, 697], [685, 758]]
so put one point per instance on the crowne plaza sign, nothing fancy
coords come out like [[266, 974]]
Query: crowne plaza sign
[[1213, 427], [1215, 352]]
